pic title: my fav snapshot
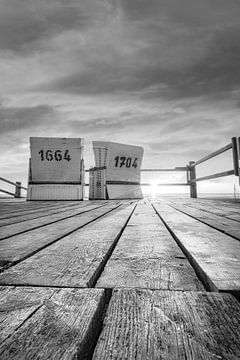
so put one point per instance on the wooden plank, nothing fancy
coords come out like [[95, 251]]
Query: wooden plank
[[17, 305], [148, 257], [170, 273], [220, 208], [42, 213], [144, 324], [214, 255], [24, 211], [65, 326], [14, 229], [74, 261], [16, 207], [19, 247], [230, 227], [232, 213]]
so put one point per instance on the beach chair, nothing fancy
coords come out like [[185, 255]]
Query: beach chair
[[117, 172], [56, 169]]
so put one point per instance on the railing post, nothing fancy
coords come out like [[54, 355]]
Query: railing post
[[235, 156], [193, 184], [18, 189]]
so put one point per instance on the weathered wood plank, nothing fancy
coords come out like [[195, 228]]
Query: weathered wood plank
[[144, 324], [146, 258], [18, 247], [65, 326], [222, 211], [17, 305], [40, 213], [215, 255], [227, 226], [14, 208], [170, 273], [74, 261], [14, 229]]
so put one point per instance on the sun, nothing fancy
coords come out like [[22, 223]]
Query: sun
[[152, 189]]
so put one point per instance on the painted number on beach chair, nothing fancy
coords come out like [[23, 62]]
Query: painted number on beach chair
[[128, 162], [57, 155]]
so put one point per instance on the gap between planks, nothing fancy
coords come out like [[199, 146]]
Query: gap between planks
[[51, 323], [147, 256], [224, 225], [22, 246], [75, 260], [215, 256], [8, 231]]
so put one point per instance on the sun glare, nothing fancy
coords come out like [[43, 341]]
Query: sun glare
[[153, 188]]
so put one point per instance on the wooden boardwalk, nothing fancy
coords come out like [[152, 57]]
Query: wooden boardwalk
[[150, 279]]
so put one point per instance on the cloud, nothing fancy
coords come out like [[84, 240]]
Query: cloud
[[15, 119], [162, 74], [158, 49], [182, 68], [189, 13], [24, 24]]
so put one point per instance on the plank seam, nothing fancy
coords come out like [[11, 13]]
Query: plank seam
[[25, 212], [45, 286], [203, 277], [13, 263], [92, 282], [205, 223], [60, 210], [98, 318], [208, 211], [27, 318], [53, 222]]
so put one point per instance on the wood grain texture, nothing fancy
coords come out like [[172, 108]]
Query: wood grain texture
[[75, 260], [14, 208], [228, 226], [17, 305], [42, 213], [144, 324], [216, 256], [14, 229], [18, 247], [227, 211], [169, 273], [65, 326], [146, 258]]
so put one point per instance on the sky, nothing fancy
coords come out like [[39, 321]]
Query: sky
[[162, 74]]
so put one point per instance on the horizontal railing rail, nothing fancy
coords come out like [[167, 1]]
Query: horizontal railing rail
[[176, 169], [179, 168], [18, 187], [213, 154]]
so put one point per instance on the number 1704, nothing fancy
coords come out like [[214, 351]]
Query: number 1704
[[128, 162]]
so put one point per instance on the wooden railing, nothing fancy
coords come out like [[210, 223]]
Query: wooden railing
[[190, 170], [176, 169], [192, 180], [18, 187]]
